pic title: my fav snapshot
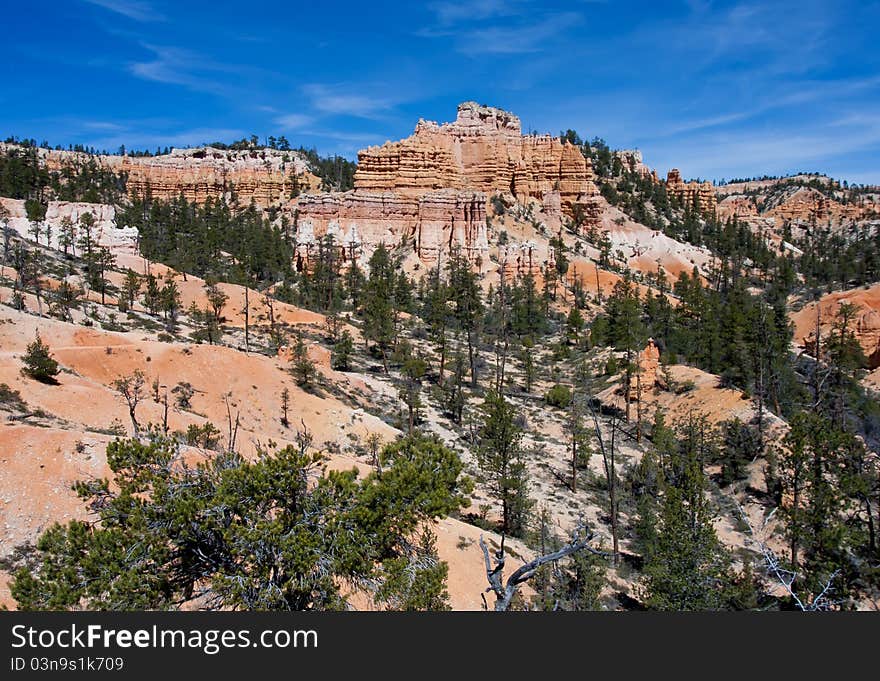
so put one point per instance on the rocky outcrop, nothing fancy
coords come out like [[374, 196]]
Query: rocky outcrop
[[430, 189], [737, 206], [483, 150], [806, 205], [867, 332], [631, 160], [267, 177], [648, 376], [864, 322], [432, 222], [699, 194], [105, 232]]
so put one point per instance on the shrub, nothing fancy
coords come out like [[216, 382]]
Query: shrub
[[611, 367], [38, 363], [558, 396], [184, 393]]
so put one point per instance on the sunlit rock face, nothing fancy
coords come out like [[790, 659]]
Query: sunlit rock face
[[433, 222], [484, 150], [699, 194]]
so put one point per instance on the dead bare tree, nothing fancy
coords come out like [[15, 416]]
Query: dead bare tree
[[505, 591], [232, 426], [607, 450], [304, 437], [786, 577]]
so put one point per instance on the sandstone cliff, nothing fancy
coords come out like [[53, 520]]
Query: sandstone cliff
[[431, 188], [266, 176], [432, 222], [865, 324], [484, 150], [699, 194]]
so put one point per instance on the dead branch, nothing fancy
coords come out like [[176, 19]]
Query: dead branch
[[785, 577], [504, 592]]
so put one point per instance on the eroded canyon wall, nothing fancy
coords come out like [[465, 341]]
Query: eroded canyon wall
[[483, 150], [432, 187], [432, 222], [698, 194], [268, 177]]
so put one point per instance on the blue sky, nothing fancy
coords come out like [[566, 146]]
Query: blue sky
[[718, 89]]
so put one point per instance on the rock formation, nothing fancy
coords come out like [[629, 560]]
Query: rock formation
[[701, 194], [483, 150], [262, 176], [105, 233], [648, 376], [738, 206], [631, 159], [433, 222], [867, 332], [806, 205], [266, 176], [431, 187]]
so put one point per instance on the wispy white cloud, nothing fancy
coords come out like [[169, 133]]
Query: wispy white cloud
[[787, 36], [294, 121], [521, 37], [180, 66], [102, 125], [342, 99], [788, 95], [137, 10], [809, 148], [452, 11]]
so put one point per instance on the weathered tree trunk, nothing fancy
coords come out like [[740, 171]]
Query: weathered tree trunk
[[247, 337], [471, 358], [504, 592]]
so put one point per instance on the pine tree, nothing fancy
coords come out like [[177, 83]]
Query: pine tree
[[152, 294], [170, 299], [217, 299], [302, 366], [464, 289], [102, 260], [277, 532], [67, 236], [437, 316], [626, 329], [412, 370], [812, 461], [379, 311], [340, 358], [501, 459], [131, 287], [453, 388], [39, 363], [285, 404], [686, 567]]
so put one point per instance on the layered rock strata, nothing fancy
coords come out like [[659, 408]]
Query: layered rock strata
[[267, 177], [484, 150], [699, 194], [433, 222], [866, 328]]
